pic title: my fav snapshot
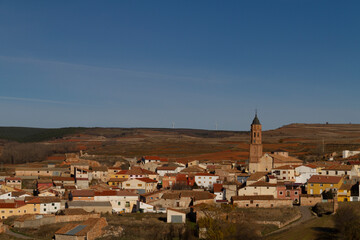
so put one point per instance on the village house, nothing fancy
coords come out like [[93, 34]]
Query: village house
[[219, 191], [136, 172], [48, 205], [182, 199], [82, 195], [243, 177], [289, 190], [336, 170], [168, 169], [206, 180], [17, 208], [152, 196], [18, 195], [284, 173], [175, 216], [304, 172], [317, 184], [142, 185], [100, 173], [65, 181], [256, 177], [91, 206], [156, 159], [14, 182], [231, 189], [116, 182], [42, 172], [192, 170], [259, 188], [87, 230], [260, 201], [168, 180], [121, 201]]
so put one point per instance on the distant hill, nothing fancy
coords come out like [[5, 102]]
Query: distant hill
[[24, 134], [305, 141]]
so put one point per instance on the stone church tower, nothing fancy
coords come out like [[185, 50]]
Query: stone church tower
[[255, 146]]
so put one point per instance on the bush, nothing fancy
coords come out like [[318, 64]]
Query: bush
[[347, 222]]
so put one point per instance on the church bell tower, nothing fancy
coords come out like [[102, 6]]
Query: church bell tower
[[255, 145]]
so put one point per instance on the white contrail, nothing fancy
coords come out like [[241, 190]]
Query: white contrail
[[36, 100]]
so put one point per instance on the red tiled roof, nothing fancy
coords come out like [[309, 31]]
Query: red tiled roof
[[63, 179], [82, 193], [147, 180], [13, 178], [324, 179], [217, 187]]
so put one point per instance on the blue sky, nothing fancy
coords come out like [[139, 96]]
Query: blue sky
[[149, 63]]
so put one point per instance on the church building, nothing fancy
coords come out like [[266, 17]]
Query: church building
[[259, 162]]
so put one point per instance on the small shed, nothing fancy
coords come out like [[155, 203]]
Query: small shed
[[175, 216]]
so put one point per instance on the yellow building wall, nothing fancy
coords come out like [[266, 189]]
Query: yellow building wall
[[325, 186], [26, 209]]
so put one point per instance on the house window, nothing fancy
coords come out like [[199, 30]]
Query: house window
[[34, 209], [53, 204], [251, 201], [267, 187], [272, 205], [280, 193], [139, 185], [10, 211], [257, 205], [296, 193], [127, 204], [247, 205], [321, 184], [312, 184], [331, 185], [128, 185], [119, 203]]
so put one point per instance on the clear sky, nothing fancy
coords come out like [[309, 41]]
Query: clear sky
[[149, 63]]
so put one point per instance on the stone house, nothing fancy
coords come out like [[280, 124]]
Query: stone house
[[87, 230], [206, 180], [289, 190], [260, 201], [259, 188], [97, 207]]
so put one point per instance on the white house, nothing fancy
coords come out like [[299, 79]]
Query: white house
[[168, 169], [304, 173], [121, 201], [285, 173], [206, 180], [48, 205], [219, 191], [146, 208], [18, 195]]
